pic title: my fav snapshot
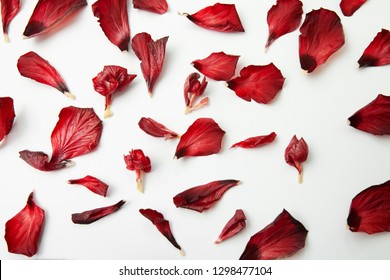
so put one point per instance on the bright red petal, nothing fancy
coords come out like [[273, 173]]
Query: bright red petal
[[349, 7], [156, 129], [93, 184], [374, 117], [203, 138], [203, 197], [256, 141], [258, 83], [7, 116], [321, 36], [24, 230], [283, 18], [217, 66], [154, 6], [49, 13], [296, 152], [31, 65], [138, 162], [220, 17], [9, 9], [114, 20], [370, 210], [234, 225], [162, 225], [91, 216], [281, 238], [378, 51]]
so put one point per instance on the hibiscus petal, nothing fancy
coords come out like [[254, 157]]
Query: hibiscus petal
[[296, 152], [114, 21], [283, 18], [162, 225], [256, 141], [7, 116], [374, 117], [378, 51], [138, 162], [349, 7], [9, 9], [234, 225], [31, 65], [321, 36], [156, 129], [154, 6], [93, 215], [220, 17], [93, 184], [203, 138], [49, 13], [281, 238], [24, 230], [370, 210], [205, 196], [193, 88], [258, 83], [217, 66]]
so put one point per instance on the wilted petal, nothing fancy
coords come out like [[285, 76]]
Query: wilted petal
[[378, 51], [156, 129], [7, 116], [93, 184], [217, 66], [193, 88], [296, 152], [93, 215], [234, 225], [138, 162], [154, 6], [256, 141], [9, 9], [349, 7]]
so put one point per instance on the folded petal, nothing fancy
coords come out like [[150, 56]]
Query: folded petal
[[378, 51], [349, 7], [217, 66], [296, 152], [93, 215], [154, 6], [156, 129], [92, 183], [9, 9], [138, 162], [234, 225], [256, 141], [7, 116]]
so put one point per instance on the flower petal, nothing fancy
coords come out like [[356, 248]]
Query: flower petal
[[154, 6], [349, 7], [296, 152], [378, 51], [93, 215], [256, 141], [138, 162], [7, 116], [156, 129], [93, 184], [9, 9], [234, 225], [217, 66]]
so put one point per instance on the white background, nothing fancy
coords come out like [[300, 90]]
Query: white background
[[342, 160]]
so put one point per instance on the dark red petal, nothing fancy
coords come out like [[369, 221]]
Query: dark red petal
[[152, 55], [258, 83], [49, 13], [91, 216], [281, 238], [378, 51], [40, 161], [114, 21], [9, 9], [370, 210], [349, 7], [7, 116], [156, 129], [31, 65], [203, 197], [283, 18], [296, 152], [162, 225], [234, 225], [24, 230], [256, 141], [203, 138], [220, 17], [374, 117], [321, 36], [217, 66], [93, 184], [154, 6]]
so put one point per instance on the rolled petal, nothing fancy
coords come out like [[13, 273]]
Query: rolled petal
[[234, 225], [296, 152], [378, 51], [92, 183], [7, 116], [154, 6], [217, 66], [9, 9], [93, 215], [156, 129], [349, 7], [256, 141]]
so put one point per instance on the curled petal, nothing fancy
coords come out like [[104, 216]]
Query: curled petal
[[9, 9], [93, 215], [281, 238], [349, 7], [234, 225], [193, 88], [296, 152], [256, 141], [93, 184], [378, 51], [138, 162], [217, 66], [156, 129], [7, 116], [154, 6]]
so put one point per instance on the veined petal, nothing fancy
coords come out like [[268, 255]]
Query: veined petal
[[7, 116], [217, 66], [349, 7], [92, 183], [234, 225], [90, 216], [256, 141], [9, 9], [156, 129], [154, 6], [378, 51], [296, 152]]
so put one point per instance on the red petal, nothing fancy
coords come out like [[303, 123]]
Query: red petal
[[49, 13], [374, 117], [152, 55], [91, 216], [349, 7], [296, 152], [283, 18], [162, 225], [217, 66], [9, 9], [220, 17], [259, 83], [321, 35], [193, 88], [31, 65], [24, 230], [76, 133], [91, 183], [378, 51], [114, 21], [370, 210], [203, 197], [202, 138], [154, 6], [234, 225], [138, 162], [156, 129], [256, 141], [281, 238], [7, 116]]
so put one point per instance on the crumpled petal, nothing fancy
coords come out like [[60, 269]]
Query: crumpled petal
[[7, 116], [92, 183], [154, 6], [234, 225], [378, 51], [256, 141], [90, 216], [138, 162], [156, 129], [296, 152], [9, 9], [193, 88], [349, 7], [217, 66]]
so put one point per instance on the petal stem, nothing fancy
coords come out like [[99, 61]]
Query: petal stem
[[68, 94]]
